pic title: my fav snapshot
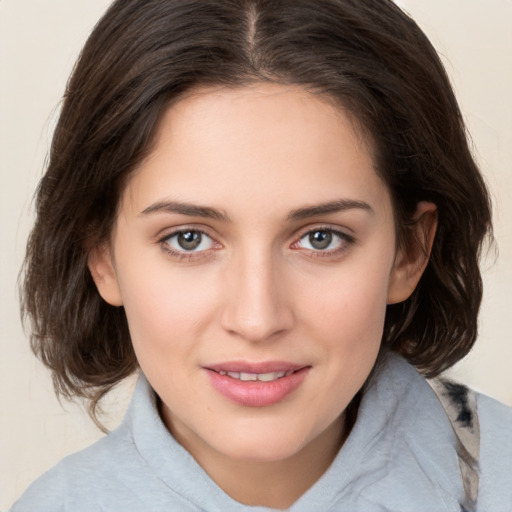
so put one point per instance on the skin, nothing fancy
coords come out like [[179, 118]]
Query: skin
[[256, 288]]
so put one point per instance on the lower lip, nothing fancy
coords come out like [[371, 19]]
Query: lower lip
[[256, 393]]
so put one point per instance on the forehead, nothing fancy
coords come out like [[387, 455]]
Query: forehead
[[259, 108], [272, 143]]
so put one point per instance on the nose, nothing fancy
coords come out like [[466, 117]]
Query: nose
[[256, 306]]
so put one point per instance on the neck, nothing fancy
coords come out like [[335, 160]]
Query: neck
[[274, 484], [278, 484]]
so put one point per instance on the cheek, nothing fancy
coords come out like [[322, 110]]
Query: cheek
[[346, 324], [166, 309], [353, 305]]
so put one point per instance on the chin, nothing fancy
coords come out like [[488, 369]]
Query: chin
[[264, 443], [264, 450]]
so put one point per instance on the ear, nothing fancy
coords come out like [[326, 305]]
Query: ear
[[411, 260], [103, 272]]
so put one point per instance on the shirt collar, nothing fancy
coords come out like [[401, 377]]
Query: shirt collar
[[399, 455]]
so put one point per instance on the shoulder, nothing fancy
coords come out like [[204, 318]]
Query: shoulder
[[495, 492], [483, 427], [118, 472], [108, 469], [495, 418], [76, 479]]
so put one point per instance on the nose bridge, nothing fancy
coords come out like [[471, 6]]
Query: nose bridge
[[256, 306]]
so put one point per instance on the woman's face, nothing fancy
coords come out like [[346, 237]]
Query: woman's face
[[254, 254]]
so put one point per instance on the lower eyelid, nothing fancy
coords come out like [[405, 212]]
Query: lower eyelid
[[186, 256], [331, 253], [182, 255]]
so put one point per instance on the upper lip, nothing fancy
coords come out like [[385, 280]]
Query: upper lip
[[256, 367]]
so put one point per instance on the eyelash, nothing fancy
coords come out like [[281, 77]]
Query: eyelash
[[184, 254], [345, 241]]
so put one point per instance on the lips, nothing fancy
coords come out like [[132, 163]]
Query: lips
[[262, 377], [256, 384]]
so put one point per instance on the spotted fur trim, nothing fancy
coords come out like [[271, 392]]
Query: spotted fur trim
[[460, 405]]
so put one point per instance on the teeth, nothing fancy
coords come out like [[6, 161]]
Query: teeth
[[268, 377], [263, 377], [248, 376]]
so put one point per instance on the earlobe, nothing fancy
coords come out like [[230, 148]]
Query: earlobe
[[411, 260], [104, 275]]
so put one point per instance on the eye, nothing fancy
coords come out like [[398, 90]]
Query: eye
[[324, 240], [188, 240]]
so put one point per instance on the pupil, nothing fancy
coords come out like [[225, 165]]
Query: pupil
[[320, 239], [189, 240]]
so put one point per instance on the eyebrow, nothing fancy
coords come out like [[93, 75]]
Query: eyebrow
[[191, 210], [330, 207], [207, 212]]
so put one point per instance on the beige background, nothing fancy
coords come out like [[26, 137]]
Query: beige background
[[39, 41]]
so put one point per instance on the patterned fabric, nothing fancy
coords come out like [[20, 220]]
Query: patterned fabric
[[460, 405]]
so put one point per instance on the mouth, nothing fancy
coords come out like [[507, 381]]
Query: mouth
[[256, 385], [262, 377]]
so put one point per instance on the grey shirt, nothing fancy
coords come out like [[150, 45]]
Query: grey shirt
[[400, 457]]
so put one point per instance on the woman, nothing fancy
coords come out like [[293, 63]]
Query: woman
[[270, 208]]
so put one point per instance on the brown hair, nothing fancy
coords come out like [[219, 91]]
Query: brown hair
[[366, 54]]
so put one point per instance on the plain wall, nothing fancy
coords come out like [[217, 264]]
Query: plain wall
[[39, 42]]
